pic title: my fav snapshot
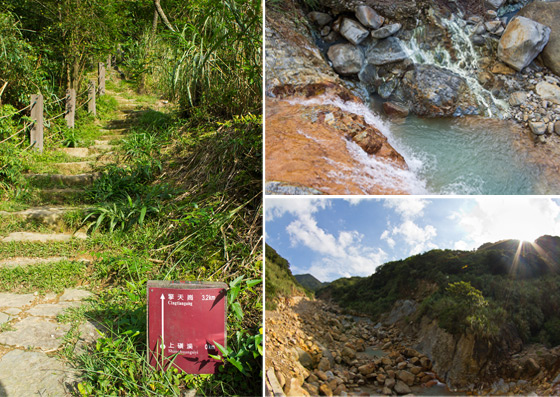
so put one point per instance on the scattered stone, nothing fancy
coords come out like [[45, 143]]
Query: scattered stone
[[557, 127], [517, 98], [406, 377], [548, 92], [521, 42], [492, 26], [490, 15], [346, 58], [501, 68], [475, 19], [479, 29], [493, 4], [74, 294], [325, 31], [537, 127], [368, 17], [320, 18], [402, 388], [325, 390], [386, 31], [304, 358], [353, 31]]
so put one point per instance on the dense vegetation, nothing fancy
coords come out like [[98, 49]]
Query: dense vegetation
[[186, 206], [503, 285], [280, 282]]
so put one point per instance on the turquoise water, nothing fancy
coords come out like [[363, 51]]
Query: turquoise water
[[467, 156]]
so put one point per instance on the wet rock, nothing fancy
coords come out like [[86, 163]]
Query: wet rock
[[393, 109], [386, 89], [548, 92], [368, 75], [478, 40], [368, 17], [282, 188], [402, 388], [548, 14], [435, 92], [346, 58], [352, 31], [521, 42], [537, 127], [385, 51], [320, 18], [386, 31]]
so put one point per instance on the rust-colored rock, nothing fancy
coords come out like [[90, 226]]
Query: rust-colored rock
[[392, 109]]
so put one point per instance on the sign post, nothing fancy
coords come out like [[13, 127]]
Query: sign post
[[185, 321]]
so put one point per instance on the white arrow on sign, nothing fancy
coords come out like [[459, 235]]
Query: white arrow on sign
[[162, 317]]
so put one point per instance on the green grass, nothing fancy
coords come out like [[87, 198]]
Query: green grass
[[51, 277]]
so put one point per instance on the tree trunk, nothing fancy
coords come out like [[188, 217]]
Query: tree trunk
[[162, 15]]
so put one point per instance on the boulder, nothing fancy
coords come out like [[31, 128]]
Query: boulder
[[493, 4], [304, 358], [386, 31], [368, 17], [406, 377], [537, 127], [320, 18], [385, 51], [346, 58], [492, 26], [548, 92], [531, 367], [352, 31], [522, 41], [435, 92], [366, 369], [402, 388], [548, 14], [393, 109]]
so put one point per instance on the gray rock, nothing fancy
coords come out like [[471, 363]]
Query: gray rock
[[325, 31], [51, 310], [386, 31], [368, 75], [493, 4], [346, 58], [492, 26], [521, 42], [557, 127], [25, 373], [304, 358], [4, 318], [490, 15], [35, 332], [478, 40], [281, 188], [15, 300], [479, 29], [402, 388], [548, 92], [474, 19], [352, 31], [518, 98], [401, 309], [386, 51], [368, 17], [537, 127], [320, 18]]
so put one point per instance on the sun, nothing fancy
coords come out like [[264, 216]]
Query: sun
[[518, 229]]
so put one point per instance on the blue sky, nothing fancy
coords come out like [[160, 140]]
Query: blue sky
[[334, 237]]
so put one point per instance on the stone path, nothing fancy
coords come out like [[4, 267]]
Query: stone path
[[31, 331]]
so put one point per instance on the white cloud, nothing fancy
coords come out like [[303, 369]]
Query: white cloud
[[417, 237], [277, 207], [461, 245], [496, 218], [355, 200], [386, 237], [408, 207]]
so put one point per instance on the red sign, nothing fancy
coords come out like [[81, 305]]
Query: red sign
[[185, 320]]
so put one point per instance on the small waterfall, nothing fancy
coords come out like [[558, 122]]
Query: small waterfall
[[465, 63]]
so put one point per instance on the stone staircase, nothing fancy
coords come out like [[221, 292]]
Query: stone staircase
[[31, 333]]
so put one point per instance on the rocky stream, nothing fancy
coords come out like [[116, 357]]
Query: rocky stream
[[313, 348], [413, 97]]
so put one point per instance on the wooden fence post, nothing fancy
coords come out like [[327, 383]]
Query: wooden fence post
[[37, 117], [101, 76], [70, 107], [91, 98], [108, 63]]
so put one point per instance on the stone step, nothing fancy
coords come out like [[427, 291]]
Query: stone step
[[80, 152], [21, 261], [65, 180], [76, 167], [42, 237], [60, 196], [51, 216], [103, 145]]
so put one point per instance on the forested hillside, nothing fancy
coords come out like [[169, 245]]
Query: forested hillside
[[501, 285], [280, 282], [157, 177]]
